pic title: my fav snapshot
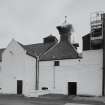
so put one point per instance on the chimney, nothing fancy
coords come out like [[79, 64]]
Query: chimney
[[50, 39], [65, 31]]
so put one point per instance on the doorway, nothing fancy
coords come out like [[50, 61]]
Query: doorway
[[19, 86], [72, 88]]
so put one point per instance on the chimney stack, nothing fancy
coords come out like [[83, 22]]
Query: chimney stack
[[50, 39]]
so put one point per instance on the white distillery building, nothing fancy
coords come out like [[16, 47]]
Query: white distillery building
[[51, 67]]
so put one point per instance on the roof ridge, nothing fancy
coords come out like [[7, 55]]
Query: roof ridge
[[32, 49], [49, 49], [33, 44]]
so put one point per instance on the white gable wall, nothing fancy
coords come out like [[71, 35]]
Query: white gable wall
[[30, 74], [87, 72], [17, 65], [0, 76]]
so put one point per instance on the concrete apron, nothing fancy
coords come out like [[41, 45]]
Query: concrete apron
[[76, 104], [36, 93]]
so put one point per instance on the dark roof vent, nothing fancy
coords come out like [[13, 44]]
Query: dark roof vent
[[50, 39], [76, 45]]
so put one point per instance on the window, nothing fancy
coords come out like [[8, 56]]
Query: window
[[11, 52], [44, 88], [56, 63]]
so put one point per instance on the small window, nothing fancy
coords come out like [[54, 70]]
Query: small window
[[44, 88], [56, 63], [11, 52]]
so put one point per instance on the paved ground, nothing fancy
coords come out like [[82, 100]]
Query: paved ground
[[50, 100]]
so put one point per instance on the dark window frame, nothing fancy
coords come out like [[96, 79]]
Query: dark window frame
[[56, 63], [44, 88]]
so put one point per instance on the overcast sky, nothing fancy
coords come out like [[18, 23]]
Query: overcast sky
[[28, 21]]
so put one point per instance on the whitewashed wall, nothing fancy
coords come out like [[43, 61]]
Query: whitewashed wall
[[0, 76], [17, 65], [87, 72]]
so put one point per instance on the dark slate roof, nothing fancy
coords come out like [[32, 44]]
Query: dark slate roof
[[49, 51], [62, 50], [33, 49], [1, 51], [37, 49]]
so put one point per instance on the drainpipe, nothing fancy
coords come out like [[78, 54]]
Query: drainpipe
[[37, 73], [53, 77], [103, 34]]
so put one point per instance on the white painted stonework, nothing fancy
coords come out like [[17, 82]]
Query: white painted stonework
[[87, 72], [0, 76], [17, 65]]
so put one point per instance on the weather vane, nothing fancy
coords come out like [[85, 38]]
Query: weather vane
[[65, 20]]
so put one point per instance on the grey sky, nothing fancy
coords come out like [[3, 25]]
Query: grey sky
[[28, 21]]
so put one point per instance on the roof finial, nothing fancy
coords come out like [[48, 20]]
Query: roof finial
[[65, 20]]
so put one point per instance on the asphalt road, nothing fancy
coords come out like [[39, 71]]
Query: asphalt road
[[21, 100]]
